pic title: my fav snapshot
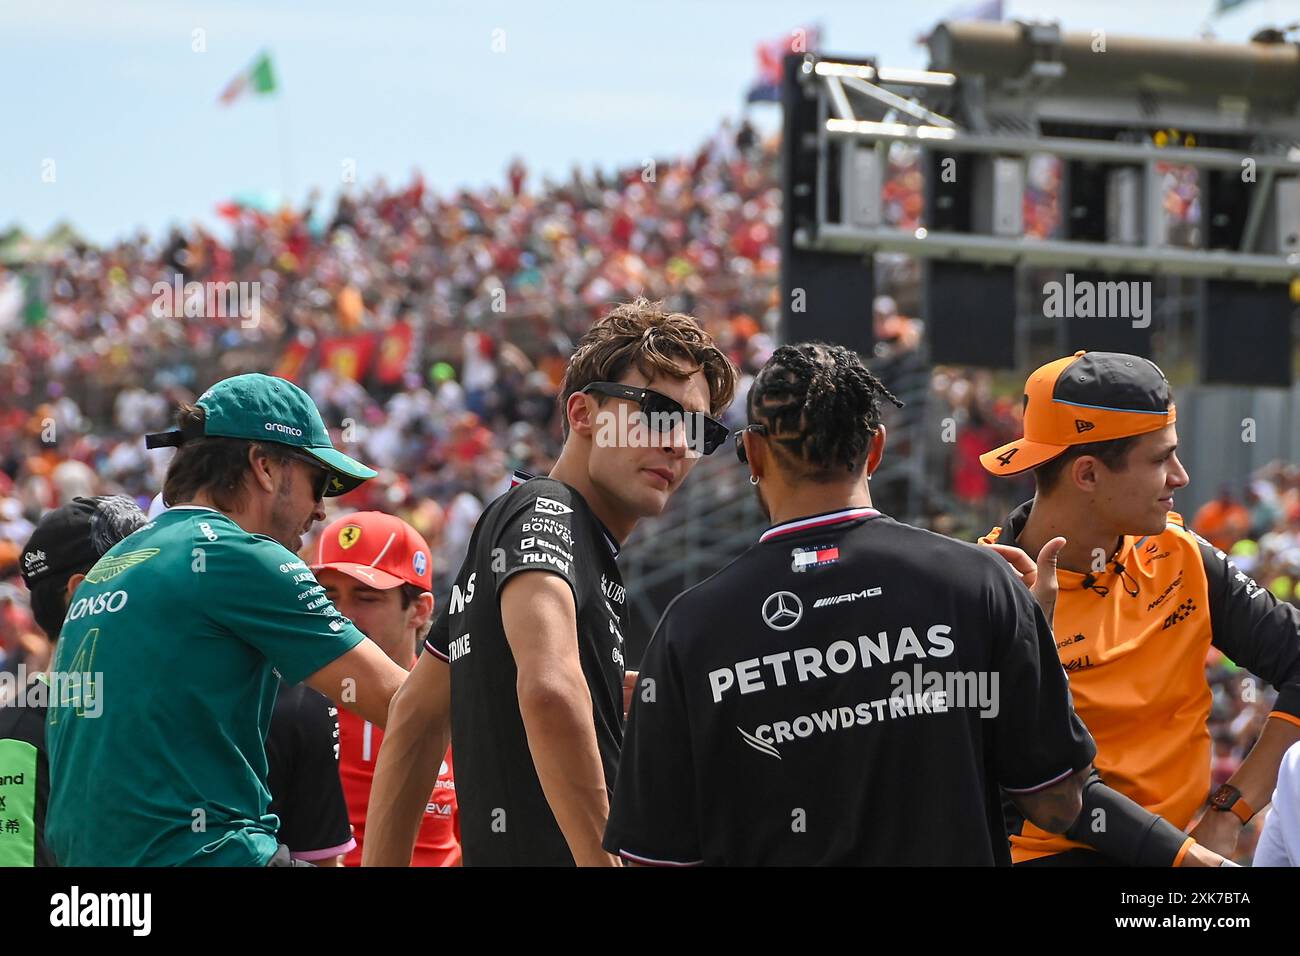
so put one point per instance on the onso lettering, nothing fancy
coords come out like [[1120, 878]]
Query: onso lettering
[[111, 602]]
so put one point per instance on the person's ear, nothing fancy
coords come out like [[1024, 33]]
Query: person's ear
[[1084, 472], [422, 612], [581, 412], [260, 464], [876, 450], [73, 581], [756, 452]]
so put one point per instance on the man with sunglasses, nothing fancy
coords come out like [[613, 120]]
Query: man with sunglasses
[[524, 671], [181, 633]]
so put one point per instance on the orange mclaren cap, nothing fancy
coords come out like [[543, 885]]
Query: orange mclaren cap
[[377, 549], [1085, 397]]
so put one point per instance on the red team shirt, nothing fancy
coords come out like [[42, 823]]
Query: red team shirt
[[438, 841]]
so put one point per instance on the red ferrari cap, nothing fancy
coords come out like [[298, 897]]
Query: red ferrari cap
[[377, 549]]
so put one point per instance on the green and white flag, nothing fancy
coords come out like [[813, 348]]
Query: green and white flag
[[258, 78]]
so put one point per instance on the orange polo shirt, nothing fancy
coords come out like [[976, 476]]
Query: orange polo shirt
[[1133, 640]]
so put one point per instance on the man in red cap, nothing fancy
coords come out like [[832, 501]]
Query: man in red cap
[[377, 571]]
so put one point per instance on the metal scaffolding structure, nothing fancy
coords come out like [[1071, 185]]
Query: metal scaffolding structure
[[1007, 91]]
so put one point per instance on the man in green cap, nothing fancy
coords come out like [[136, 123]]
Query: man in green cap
[[181, 631]]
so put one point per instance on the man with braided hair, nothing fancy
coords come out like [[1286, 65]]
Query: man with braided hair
[[847, 677]]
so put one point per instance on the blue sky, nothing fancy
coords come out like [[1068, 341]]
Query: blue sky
[[114, 93]]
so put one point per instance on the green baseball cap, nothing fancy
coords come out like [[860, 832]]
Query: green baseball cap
[[261, 407]]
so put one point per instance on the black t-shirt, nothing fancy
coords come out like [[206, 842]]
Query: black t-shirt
[[540, 525], [302, 759], [820, 701], [24, 780]]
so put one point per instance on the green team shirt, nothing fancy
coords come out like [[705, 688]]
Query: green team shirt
[[168, 660]]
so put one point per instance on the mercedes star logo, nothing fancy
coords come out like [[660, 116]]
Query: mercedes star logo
[[782, 610]]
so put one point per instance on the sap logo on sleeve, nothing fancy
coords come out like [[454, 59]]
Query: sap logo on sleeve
[[546, 506], [459, 599]]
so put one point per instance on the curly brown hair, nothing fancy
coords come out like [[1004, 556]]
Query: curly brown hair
[[643, 335]]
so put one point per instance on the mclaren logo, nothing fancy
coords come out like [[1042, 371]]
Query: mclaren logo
[[782, 610], [851, 596], [110, 566]]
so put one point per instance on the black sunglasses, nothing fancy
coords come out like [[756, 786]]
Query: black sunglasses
[[664, 413], [757, 429], [320, 476]]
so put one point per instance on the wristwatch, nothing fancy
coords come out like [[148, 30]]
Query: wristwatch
[[1228, 799]]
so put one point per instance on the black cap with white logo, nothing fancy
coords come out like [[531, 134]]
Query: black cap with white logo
[[77, 535]]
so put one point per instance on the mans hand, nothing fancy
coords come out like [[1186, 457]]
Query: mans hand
[[1040, 576], [1218, 831], [1198, 856]]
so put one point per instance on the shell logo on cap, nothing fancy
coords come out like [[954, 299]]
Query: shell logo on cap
[[420, 561], [348, 536]]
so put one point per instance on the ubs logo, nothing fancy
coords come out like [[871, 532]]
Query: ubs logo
[[612, 589]]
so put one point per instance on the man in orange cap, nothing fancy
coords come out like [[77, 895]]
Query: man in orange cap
[[1138, 602], [377, 570]]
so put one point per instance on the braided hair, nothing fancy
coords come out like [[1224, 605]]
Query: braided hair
[[821, 407]]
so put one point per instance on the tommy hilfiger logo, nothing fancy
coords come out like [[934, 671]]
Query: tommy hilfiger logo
[[801, 559], [1080, 426], [1181, 613]]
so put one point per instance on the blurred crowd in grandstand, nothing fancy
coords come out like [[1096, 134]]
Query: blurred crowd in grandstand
[[433, 334]]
